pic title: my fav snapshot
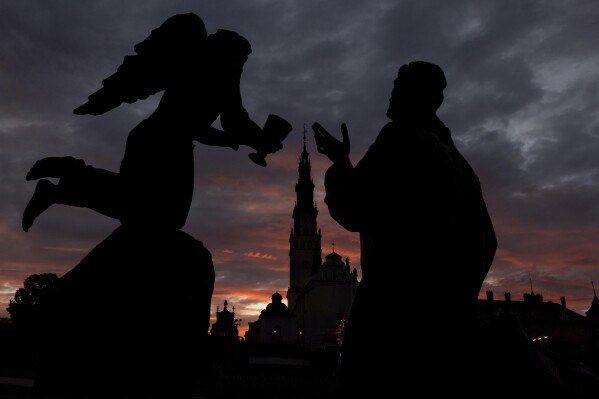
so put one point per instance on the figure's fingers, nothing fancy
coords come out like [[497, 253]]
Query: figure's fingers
[[345, 143], [344, 133], [318, 129], [319, 135], [319, 143]]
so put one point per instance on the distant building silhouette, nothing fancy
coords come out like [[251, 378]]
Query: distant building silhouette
[[320, 293], [275, 324], [593, 312], [226, 324], [550, 323], [593, 319]]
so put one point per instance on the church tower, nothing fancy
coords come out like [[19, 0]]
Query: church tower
[[305, 253]]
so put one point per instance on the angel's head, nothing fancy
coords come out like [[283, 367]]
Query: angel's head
[[229, 47]]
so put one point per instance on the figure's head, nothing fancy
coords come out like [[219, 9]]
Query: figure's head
[[228, 46], [177, 35], [417, 90]]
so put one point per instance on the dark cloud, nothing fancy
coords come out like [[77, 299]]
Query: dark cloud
[[521, 102]]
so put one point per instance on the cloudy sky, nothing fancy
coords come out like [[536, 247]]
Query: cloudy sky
[[522, 101]]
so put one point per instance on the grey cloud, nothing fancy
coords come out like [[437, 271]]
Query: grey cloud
[[330, 62]]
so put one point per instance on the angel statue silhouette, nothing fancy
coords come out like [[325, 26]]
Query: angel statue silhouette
[[153, 280], [199, 75]]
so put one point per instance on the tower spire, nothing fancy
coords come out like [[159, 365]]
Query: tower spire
[[593, 284], [305, 247], [304, 157], [530, 279]]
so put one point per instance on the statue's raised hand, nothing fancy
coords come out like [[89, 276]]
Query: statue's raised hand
[[337, 151]]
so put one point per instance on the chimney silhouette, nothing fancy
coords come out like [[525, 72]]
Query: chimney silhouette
[[490, 305], [508, 302]]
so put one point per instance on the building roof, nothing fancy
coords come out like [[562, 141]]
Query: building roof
[[532, 308], [593, 312], [333, 258], [276, 307]]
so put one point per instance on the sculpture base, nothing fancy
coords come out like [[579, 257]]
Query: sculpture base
[[131, 317]]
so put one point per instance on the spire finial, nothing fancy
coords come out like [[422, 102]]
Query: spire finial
[[304, 137], [333, 244], [593, 284], [530, 280]]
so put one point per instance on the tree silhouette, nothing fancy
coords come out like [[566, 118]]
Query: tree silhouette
[[25, 309]]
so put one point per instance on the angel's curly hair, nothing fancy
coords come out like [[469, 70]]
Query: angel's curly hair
[[226, 45]]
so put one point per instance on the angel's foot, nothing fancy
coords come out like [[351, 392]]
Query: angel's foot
[[54, 167], [44, 196]]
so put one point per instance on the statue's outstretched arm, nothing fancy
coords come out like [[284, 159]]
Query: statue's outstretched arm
[[216, 137]]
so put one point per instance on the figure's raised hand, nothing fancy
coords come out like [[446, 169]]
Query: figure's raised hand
[[335, 150]]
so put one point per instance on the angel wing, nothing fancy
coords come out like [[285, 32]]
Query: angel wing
[[178, 42]]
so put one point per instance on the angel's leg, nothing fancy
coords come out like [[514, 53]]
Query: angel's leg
[[79, 185], [55, 167], [45, 195]]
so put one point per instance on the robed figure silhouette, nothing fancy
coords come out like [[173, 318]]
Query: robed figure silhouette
[[427, 244], [131, 319]]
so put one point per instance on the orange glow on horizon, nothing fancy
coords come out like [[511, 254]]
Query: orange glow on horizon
[[66, 249], [243, 329], [260, 255]]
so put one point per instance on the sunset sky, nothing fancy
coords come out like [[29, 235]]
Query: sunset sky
[[522, 102]]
